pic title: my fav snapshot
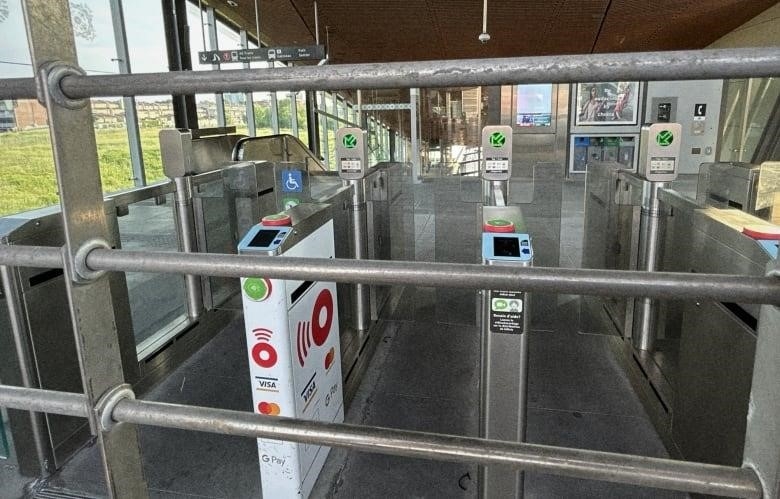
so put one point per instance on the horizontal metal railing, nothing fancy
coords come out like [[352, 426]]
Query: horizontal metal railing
[[669, 285], [577, 463], [645, 66]]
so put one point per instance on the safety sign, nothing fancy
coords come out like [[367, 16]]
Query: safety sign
[[506, 312], [292, 181]]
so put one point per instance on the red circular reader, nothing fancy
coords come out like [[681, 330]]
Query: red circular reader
[[498, 225], [771, 232], [280, 219]]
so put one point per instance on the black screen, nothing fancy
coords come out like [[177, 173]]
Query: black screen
[[506, 246], [263, 238]]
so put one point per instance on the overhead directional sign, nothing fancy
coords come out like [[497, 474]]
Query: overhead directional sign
[[309, 53]]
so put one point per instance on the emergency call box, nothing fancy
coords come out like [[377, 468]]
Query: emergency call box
[[294, 355], [496, 153], [351, 153], [659, 151]]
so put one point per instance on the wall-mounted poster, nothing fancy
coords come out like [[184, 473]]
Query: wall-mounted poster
[[612, 103], [534, 105]]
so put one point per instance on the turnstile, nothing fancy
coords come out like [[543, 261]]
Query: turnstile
[[292, 335], [504, 355]]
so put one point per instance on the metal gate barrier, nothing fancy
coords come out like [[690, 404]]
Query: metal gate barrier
[[86, 256]]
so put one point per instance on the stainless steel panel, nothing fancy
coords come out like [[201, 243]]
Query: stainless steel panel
[[713, 385]]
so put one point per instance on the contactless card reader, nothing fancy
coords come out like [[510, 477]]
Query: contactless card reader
[[266, 240], [497, 153], [351, 153], [659, 151]]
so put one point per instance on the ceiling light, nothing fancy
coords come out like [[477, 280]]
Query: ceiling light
[[232, 3]]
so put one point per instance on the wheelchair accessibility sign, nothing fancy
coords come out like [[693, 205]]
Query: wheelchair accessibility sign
[[292, 181]]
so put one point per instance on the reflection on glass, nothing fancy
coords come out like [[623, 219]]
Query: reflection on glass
[[157, 301]]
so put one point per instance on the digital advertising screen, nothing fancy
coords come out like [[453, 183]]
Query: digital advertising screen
[[610, 103], [534, 105]]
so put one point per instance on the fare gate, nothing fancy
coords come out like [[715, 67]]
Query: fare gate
[[292, 335]]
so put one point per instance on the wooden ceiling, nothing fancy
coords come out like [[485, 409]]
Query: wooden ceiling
[[410, 30]]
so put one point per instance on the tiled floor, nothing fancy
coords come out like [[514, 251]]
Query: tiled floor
[[424, 376]]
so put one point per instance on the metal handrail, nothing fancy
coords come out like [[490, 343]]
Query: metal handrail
[[578, 463], [645, 66], [668, 285]]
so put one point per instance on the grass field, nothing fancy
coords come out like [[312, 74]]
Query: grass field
[[27, 178]]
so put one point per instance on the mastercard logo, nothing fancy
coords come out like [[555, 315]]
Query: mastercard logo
[[329, 358], [268, 408]]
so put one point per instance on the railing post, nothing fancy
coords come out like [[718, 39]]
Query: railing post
[[53, 52], [762, 436]]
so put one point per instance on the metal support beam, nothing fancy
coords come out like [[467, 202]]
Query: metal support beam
[[666, 285], [312, 123], [131, 116], [50, 36], [414, 100], [211, 20], [577, 463], [250, 103], [762, 436], [645, 66], [185, 113]]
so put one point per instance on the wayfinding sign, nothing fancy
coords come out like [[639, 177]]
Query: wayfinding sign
[[308, 53]]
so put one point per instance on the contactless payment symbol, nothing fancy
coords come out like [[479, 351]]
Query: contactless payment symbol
[[349, 141], [664, 138], [257, 289], [263, 353], [318, 328], [497, 139]]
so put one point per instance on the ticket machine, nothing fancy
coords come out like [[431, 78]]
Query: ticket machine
[[292, 337]]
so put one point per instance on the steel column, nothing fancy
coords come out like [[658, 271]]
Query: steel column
[[646, 313], [188, 243], [50, 37], [211, 20], [250, 103], [762, 436], [414, 102], [131, 117]]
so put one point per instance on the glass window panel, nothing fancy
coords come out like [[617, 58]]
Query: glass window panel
[[303, 130], [284, 100], [146, 45], [157, 301]]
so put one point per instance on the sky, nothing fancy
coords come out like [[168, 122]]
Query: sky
[[95, 44]]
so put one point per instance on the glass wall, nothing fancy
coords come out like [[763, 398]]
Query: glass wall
[[748, 106]]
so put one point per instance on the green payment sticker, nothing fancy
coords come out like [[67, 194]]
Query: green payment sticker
[[664, 138], [257, 288], [497, 139], [349, 141], [499, 304]]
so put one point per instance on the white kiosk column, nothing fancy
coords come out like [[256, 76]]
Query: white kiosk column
[[292, 337]]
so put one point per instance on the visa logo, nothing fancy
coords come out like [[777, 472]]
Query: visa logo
[[309, 390], [265, 384]]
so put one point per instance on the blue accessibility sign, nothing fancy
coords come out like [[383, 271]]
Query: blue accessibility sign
[[292, 181]]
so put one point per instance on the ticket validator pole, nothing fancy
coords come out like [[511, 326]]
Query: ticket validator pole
[[659, 161], [504, 319], [352, 163], [292, 335]]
